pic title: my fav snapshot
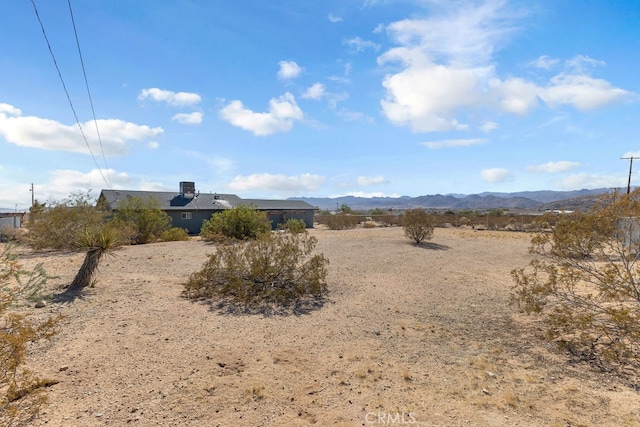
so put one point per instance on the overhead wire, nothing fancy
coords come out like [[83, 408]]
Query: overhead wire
[[64, 86], [86, 82]]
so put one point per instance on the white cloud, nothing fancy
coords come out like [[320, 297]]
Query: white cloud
[[515, 95], [334, 19], [443, 67], [585, 180], [544, 62], [435, 145], [366, 195], [10, 110], [425, 96], [553, 167], [371, 180], [66, 181], [495, 175], [288, 70], [580, 64], [355, 116], [194, 118], [46, 134], [488, 127], [581, 91], [153, 145], [277, 182], [175, 99], [283, 112], [360, 45], [315, 91]]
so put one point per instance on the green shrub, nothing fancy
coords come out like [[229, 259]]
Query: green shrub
[[174, 234], [293, 226], [240, 223], [142, 217], [277, 272], [584, 281], [418, 225]]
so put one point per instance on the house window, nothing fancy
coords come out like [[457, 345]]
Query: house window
[[185, 215]]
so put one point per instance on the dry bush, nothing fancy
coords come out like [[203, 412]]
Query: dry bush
[[418, 225], [585, 281], [340, 221], [9, 234], [275, 272], [62, 224], [174, 234], [21, 391]]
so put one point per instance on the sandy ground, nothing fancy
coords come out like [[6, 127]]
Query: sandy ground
[[409, 336]]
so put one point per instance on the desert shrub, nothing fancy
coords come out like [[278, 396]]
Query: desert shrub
[[21, 391], [369, 224], [376, 211], [61, 224], [341, 221], [418, 225], [275, 270], [174, 234], [9, 234], [388, 220], [141, 219], [293, 226], [240, 223], [585, 281]]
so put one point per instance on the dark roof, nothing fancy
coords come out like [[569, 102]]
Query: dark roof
[[169, 200], [173, 200], [267, 204]]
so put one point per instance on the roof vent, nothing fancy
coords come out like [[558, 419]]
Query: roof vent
[[187, 189]]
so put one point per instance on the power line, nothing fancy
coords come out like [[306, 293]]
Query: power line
[[66, 91], [86, 82]]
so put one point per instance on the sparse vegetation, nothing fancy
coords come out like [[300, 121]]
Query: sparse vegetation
[[585, 281], [293, 226], [141, 220], [174, 234], [61, 225], [21, 391], [340, 221], [276, 270], [418, 225], [240, 223]]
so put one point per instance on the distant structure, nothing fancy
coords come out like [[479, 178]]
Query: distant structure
[[188, 208]]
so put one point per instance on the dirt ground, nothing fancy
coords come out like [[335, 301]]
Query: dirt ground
[[415, 336]]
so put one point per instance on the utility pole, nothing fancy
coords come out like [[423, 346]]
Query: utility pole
[[33, 196], [630, 167]]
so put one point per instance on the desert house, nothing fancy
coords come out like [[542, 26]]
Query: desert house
[[188, 208]]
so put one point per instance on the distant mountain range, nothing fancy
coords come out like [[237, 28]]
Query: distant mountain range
[[578, 200], [525, 200]]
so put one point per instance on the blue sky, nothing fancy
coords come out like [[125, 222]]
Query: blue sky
[[281, 98]]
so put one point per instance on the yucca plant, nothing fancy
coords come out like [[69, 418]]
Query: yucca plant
[[97, 244]]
